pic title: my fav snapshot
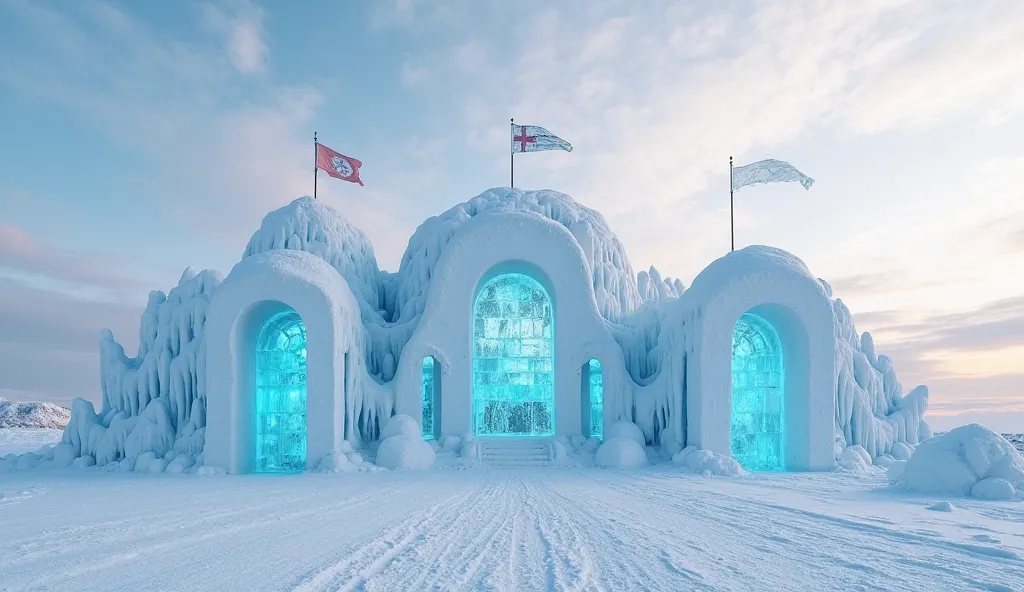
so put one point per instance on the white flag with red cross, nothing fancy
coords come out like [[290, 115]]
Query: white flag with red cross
[[532, 138]]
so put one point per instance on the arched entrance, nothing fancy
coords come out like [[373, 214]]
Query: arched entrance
[[513, 358], [757, 395], [281, 394]]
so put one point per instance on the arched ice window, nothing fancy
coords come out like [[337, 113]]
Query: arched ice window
[[757, 395], [281, 394], [513, 358]]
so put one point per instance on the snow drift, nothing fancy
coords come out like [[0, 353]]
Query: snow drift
[[970, 460], [155, 402]]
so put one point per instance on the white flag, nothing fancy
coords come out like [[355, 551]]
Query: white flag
[[768, 171]]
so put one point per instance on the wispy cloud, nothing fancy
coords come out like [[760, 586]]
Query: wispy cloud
[[240, 23], [23, 253]]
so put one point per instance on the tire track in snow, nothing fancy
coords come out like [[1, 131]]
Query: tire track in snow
[[190, 533], [366, 559], [865, 551]]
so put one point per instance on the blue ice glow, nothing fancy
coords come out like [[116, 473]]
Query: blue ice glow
[[427, 394], [281, 394], [596, 399], [513, 358], [757, 395]]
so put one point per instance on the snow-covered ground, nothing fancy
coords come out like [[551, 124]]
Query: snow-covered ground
[[19, 440], [594, 529]]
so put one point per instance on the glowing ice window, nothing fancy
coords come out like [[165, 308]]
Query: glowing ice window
[[427, 394], [757, 395], [596, 399], [513, 358], [281, 394]]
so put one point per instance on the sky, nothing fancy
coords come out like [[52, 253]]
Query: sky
[[139, 138]]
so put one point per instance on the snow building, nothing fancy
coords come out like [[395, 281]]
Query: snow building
[[514, 318]]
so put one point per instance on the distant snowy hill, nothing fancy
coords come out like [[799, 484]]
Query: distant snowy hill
[[33, 415], [1016, 439]]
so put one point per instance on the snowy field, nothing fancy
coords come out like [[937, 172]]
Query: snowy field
[[583, 529], [19, 440]]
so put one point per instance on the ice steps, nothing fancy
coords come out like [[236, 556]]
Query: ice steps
[[515, 452]]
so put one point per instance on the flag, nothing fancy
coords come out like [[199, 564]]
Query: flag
[[338, 165], [768, 171], [530, 138]]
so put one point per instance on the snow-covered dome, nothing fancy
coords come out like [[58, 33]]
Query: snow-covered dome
[[614, 282], [755, 259], [314, 227]]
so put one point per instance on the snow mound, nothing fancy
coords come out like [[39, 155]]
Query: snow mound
[[628, 430], [314, 227], [404, 452], [614, 283], [970, 460], [401, 424], [621, 453], [33, 415], [705, 462]]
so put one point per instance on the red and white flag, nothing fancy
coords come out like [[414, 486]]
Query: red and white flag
[[337, 164]]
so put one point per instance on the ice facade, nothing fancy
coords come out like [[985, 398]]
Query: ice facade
[[757, 395], [516, 313], [513, 366]]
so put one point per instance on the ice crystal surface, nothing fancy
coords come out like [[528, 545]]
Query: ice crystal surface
[[281, 394], [513, 361], [757, 384]]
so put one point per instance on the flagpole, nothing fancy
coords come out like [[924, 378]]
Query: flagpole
[[732, 222], [315, 171], [512, 156]]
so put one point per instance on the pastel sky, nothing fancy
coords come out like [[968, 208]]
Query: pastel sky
[[137, 138]]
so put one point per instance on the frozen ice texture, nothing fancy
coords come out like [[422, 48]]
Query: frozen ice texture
[[513, 365], [757, 395]]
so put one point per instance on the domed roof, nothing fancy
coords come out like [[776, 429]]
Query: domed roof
[[314, 227]]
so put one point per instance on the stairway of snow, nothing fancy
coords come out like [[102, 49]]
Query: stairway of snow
[[512, 452]]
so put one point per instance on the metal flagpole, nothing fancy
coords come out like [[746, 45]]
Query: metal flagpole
[[315, 170], [732, 222], [512, 156]]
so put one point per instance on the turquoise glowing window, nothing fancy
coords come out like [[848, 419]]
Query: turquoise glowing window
[[596, 380], [281, 394], [757, 395], [427, 397], [513, 358]]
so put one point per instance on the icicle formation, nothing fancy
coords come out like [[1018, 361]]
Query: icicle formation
[[871, 410], [155, 402]]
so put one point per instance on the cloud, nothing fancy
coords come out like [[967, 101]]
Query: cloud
[[22, 253], [241, 24], [58, 321], [49, 341], [177, 105], [655, 102]]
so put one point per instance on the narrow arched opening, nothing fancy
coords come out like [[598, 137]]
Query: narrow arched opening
[[593, 398], [757, 400], [430, 398], [280, 397], [513, 358]]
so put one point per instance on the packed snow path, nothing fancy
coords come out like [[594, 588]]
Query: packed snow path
[[496, 530]]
